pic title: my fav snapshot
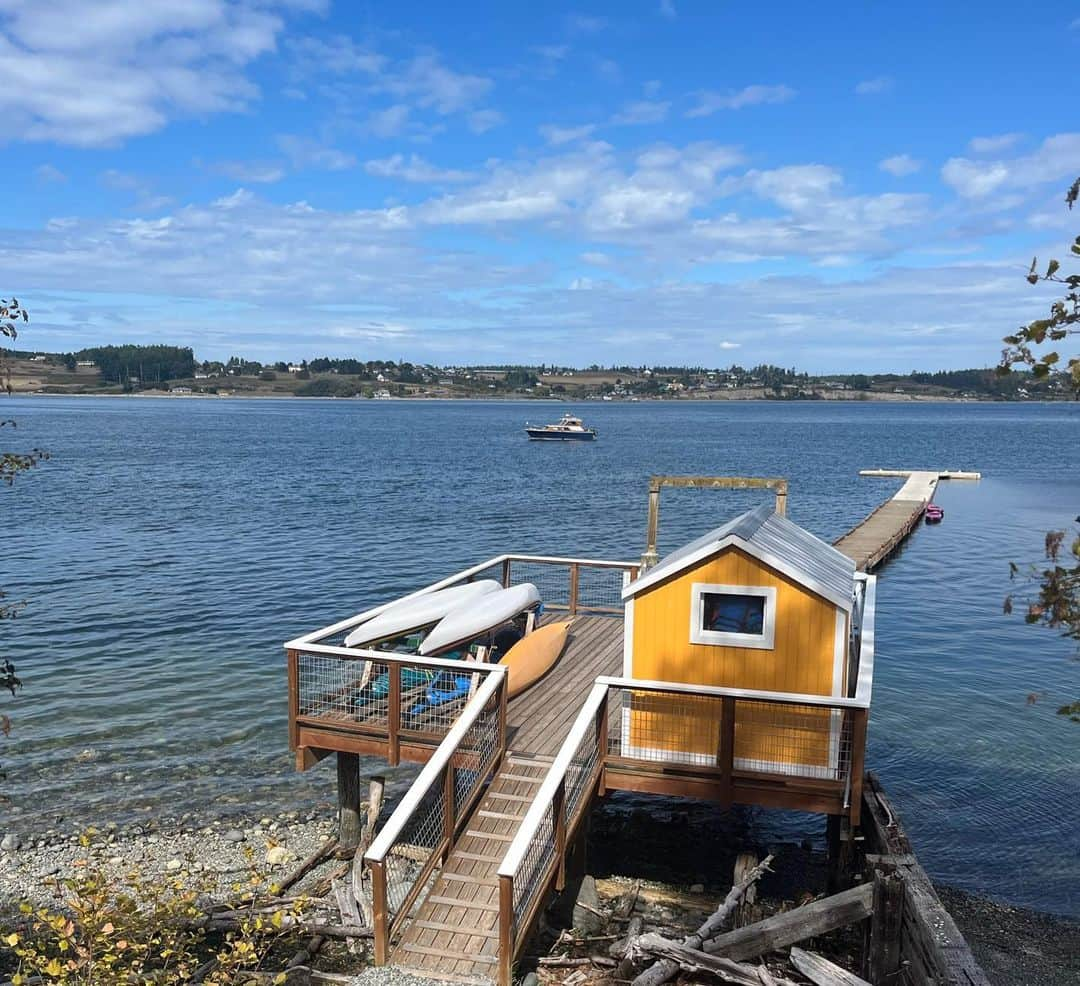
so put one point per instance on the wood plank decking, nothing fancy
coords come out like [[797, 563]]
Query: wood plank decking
[[876, 537], [454, 934]]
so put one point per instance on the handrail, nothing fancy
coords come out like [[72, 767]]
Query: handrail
[[556, 774], [381, 844], [392, 657], [747, 694], [306, 641]]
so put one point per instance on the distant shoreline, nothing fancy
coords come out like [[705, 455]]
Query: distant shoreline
[[860, 397]]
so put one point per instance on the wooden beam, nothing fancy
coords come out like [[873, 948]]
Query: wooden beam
[[808, 921], [348, 798], [695, 962], [884, 959], [821, 971], [293, 659]]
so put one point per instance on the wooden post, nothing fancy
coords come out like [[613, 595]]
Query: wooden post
[[575, 575], [506, 930], [781, 500], [725, 756], [558, 811], [858, 760], [602, 714], [503, 698], [448, 807], [293, 659], [651, 557], [393, 715], [379, 904], [348, 795], [832, 842], [885, 928], [506, 573]]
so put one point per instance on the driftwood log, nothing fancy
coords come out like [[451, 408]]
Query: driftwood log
[[790, 927], [821, 971], [696, 962], [667, 967]]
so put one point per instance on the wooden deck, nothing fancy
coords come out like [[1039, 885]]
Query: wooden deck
[[455, 931]]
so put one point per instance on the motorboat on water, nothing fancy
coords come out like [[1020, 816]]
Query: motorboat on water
[[569, 429], [933, 513]]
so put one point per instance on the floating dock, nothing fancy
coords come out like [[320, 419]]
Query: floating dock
[[463, 868], [876, 537]]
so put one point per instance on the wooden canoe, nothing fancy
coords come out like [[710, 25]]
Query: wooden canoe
[[533, 656]]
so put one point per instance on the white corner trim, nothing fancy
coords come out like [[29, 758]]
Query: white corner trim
[[718, 638]]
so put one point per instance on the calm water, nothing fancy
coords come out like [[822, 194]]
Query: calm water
[[169, 547]]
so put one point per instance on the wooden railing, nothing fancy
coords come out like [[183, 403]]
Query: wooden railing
[[421, 831], [334, 706]]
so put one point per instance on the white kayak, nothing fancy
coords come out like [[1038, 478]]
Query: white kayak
[[420, 611], [469, 621]]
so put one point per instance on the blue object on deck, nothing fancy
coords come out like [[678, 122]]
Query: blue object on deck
[[444, 689]]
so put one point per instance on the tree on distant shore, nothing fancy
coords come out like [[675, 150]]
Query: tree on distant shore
[[1050, 593]]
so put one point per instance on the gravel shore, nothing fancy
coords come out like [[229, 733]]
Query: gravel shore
[[218, 854]]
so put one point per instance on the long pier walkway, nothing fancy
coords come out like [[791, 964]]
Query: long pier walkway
[[876, 537]]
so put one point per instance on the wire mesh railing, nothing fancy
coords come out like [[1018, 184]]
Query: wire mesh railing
[[717, 733], [727, 731], [403, 857], [537, 855]]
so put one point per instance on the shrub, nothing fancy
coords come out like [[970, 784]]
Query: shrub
[[144, 930]]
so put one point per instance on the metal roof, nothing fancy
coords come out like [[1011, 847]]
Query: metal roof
[[775, 540]]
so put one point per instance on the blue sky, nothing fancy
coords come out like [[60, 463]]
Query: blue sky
[[831, 186]]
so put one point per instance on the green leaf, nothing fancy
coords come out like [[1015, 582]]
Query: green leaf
[[1052, 268]]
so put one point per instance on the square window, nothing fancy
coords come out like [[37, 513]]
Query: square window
[[733, 612], [733, 615]]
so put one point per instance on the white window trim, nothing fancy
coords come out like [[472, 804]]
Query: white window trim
[[718, 638]]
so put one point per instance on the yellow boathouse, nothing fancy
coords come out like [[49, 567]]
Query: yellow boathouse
[[757, 604]]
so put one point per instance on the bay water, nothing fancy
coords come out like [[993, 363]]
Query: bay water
[[169, 547]]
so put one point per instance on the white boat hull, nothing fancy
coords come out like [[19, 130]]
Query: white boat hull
[[420, 611], [478, 617]]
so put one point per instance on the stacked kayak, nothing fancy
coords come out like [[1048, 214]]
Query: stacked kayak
[[439, 624]]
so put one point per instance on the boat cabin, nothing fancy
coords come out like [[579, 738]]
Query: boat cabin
[[758, 603]]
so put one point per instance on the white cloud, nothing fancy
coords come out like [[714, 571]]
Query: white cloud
[[585, 24], [414, 169], [554, 53], [389, 122], [596, 259], [1055, 160], [97, 74], [642, 112], [900, 165], [304, 152], [484, 120], [993, 145], [254, 172], [565, 135], [710, 102], [50, 175], [427, 82], [875, 86]]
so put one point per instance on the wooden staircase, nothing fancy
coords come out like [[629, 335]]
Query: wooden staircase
[[454, 933]]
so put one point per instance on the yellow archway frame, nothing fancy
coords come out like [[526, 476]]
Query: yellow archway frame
[[656, 483]]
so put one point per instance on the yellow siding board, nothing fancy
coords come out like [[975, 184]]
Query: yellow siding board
[[800, 661]]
